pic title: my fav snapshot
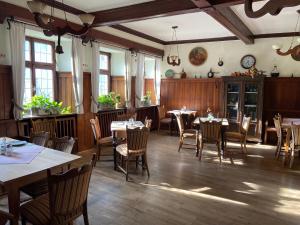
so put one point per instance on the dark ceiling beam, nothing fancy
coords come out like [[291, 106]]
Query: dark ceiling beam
[[23, 14], [226, 17], [138, 33], [147, 10], [62, 6]]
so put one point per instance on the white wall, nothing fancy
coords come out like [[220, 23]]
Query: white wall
[[231, 52]]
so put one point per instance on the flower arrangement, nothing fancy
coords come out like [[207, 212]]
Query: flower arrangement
[[43, 105]]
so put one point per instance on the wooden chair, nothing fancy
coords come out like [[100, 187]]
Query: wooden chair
[[240, 136], [210, 133], [64, 144], [46, 125], [4, 217], [268, 129], [295, 143], [40, 138], [163, 119], [97, 135], [136, 146], [187, 134], [280, 137], [64, 203]]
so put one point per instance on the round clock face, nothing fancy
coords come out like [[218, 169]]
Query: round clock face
[[248, 61]]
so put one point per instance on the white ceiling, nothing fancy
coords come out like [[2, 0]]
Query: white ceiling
[[190, 26], [284, 22], [96, 5]]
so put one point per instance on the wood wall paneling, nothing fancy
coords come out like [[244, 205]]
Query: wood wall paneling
[[118, 86], [6, 93], [65, 91], [196, 94]]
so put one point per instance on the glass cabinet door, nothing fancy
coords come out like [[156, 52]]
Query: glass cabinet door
[[251, 101], [233, 101]]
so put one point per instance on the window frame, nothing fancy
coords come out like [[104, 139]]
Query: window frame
[[32, 64], [108, 71]]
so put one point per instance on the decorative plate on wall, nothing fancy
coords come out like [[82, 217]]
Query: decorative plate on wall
[[198, 56], [169, 73]]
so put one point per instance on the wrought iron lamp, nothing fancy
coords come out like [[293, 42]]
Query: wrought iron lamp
[[174, 59], [294, 50], [47, 23]]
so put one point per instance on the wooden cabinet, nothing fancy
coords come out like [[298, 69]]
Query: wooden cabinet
[[244, 96]]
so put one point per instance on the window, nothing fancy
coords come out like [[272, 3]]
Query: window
[[40, 68], [104, 77]]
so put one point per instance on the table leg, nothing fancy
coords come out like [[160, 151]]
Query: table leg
[[14, 203], [115, 143]]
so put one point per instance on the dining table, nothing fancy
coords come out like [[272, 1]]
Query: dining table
[[224, 126], [188, 114], [121, 126], [26, 164], [287, 126]]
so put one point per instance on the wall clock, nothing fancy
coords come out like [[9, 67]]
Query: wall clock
[[198, 56], [248, 61]]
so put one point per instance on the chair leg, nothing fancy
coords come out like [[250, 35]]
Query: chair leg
[[158, 128], [127, 159], [201, 149], [146, 164], [23, 219], [136, 162], [245, 146], [266, 137], [219, 152], [197, 145], [85, 214], [180, 143], [98, 152]]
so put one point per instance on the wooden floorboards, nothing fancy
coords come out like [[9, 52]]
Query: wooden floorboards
[[245, 190]]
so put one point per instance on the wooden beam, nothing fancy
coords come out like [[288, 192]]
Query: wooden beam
[[62, 6], [137, 33], [147, 10], [226, 17], [23, 14]]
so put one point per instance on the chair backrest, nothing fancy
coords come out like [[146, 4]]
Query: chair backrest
[[296, 135], [277, 124], [4, 217], [64, 144], [245, 125], [68, 193], [96, 128], [180, 122], [137, 138], [40, 138], [148, 123], [210, 131], [47, 125], [131, 112], [161, 112]]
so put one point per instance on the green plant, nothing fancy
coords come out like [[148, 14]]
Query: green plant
[[41, 102], [147, 97], [109, 100]]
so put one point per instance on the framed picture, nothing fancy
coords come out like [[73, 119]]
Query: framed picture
[[198, 56]]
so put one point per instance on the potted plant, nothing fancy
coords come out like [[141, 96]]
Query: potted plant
[[117, 101], [147, 99], [106, 101], [42, 105]]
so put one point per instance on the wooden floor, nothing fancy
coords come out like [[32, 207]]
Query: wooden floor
[[252, 189]]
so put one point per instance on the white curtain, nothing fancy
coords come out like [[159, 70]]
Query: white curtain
[[140, 79], [157, 79], [95, 76], [17, 46], [77, 73], [128, 75]]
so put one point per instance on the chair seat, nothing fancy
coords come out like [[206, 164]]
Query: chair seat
[[37, 211], [106, 140], [166, 120], [36, 189], [189, 133], [122, 149], [234, 135], [271, 129]]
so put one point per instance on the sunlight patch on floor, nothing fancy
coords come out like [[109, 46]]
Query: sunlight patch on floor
[[289, 193], [196, 194], [288, 207]]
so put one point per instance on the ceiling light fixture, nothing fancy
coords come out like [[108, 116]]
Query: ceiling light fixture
[[174, 59], [294, 51], [272, 7], [50, 27]]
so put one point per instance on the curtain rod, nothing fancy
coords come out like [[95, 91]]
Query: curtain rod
[[12, 19]]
